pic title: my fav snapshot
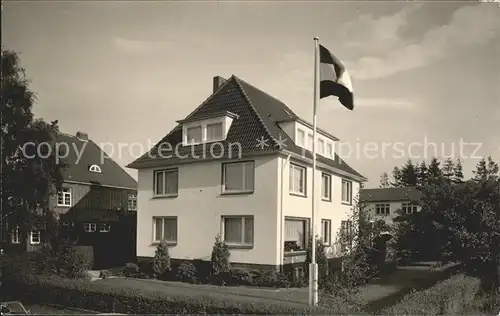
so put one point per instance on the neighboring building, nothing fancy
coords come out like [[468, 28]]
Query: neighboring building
[[96, 204], [386, 203], [260, 204]]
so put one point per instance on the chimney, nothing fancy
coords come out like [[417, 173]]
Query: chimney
[[218, 81], [82, 136]]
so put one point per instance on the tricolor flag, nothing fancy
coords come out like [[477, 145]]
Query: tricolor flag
[[334, 78]]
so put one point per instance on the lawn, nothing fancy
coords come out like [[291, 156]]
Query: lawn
[[378, 293]]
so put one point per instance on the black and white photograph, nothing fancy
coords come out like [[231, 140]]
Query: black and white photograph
[[250, 157]]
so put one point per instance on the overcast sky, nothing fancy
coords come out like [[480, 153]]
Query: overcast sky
[[124, 72]]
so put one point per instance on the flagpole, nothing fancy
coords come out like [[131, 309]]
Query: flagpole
[[313, 268]]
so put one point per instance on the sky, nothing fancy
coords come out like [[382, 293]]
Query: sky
[[423, 73]]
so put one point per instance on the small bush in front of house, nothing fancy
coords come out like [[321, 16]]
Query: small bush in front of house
[[132, 270], [108, 298], [270, 279], [70, 262], [220, 257], [239, 276], [104, 274], [161, 261], [186, 272]]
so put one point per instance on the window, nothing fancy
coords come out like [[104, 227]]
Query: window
[[326, 231], [35, 237], [321, 147], [310, 141], [104, 228], [95, 168], [15, 236], [346, 235], [64, 197], [409, 208], [329, 150], [297, 179], [214, 132], [295, 234], [166, 182], [89, 227], [238, 230], [326, 187], [165, 228], [238, 177], [68, 224], [132, 202], [346, 191], [194, 135], [382, 209], [301, 138]]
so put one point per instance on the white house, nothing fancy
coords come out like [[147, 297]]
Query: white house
[[240, 166], [388, 203]]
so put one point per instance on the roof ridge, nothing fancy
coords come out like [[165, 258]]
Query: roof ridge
[[273, 97], [236, 79], [180, 124]]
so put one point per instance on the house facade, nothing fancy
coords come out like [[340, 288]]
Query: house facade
[[96, 204], [388, 203], [240, 166]]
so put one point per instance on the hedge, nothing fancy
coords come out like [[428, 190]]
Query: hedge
[[92, 296], [450, 297]]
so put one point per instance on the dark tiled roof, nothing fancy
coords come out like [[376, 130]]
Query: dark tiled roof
[[258, 114], [390, 194], [78, 170]]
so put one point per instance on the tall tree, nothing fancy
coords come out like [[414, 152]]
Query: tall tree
[[422, 174], [458, 175], [384, 180], [486, 169], [434, 173], [492, 169], [447, 169], [30, 173], [396, 176], [409, 174]]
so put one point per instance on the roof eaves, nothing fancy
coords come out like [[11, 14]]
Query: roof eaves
[[211, 115]]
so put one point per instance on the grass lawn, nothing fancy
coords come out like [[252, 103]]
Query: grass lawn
[[378, 292]]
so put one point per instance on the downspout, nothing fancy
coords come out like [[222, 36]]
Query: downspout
[[282, 250]]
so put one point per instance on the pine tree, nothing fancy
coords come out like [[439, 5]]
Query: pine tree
[[396, 176], [447, 169], [492, 169], [384, 180], [481, 172], [434, 171], [408, 174], [161, 260], [422, 174], [458, 175]]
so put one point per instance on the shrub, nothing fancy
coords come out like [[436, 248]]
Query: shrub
[[186, 272], [270, 279], [452, 296], [239, 276], [161, 260], [107, 298], [70, 261], [131, 270], [220, 257], [104, 274]]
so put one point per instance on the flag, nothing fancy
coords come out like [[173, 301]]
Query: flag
[[334, 79]]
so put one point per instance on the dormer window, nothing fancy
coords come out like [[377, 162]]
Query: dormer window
[[209, 129], [95, 168], [194, 134]]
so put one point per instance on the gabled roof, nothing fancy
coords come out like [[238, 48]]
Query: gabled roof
[[78, 166], [258, 116], [390, 194]]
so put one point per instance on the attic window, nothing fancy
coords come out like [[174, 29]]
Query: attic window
[[95, 168]]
